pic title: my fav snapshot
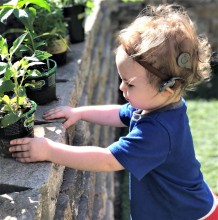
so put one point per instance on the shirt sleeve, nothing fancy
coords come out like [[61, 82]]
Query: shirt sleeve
[[143, 149], [126, 112]]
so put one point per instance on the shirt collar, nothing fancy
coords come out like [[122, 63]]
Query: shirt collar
[[137, 114]]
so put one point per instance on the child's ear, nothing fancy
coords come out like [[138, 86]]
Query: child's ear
[[168, 92]]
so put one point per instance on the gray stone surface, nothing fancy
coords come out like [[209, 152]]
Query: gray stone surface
[[44, 178], [24, 205]]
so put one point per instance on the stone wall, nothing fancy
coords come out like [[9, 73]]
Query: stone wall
[[49, 191]]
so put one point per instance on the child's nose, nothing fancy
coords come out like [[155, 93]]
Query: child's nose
[[122, 86]]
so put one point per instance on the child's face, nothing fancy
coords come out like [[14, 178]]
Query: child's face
[[135, 84]]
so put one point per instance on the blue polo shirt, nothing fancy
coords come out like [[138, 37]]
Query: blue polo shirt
[[165, 178]]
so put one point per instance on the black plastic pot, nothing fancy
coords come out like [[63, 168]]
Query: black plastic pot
[[58, 48], [60, 58], [20, 129], [45, 85], [67, 11], [75, 23]]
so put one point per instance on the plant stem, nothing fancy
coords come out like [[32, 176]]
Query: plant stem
[[16, 91], [31, 39]]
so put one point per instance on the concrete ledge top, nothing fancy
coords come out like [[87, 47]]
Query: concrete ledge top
[[16, 175]]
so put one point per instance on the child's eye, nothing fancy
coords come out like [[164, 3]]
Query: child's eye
[[130, 85]]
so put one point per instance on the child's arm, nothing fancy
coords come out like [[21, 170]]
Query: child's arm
[[102, 114], [82, 158]]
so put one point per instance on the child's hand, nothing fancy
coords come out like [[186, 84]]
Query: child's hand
[[30, 149], [66, 112]]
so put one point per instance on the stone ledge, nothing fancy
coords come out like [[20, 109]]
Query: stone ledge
[[43, 180], [21, 205], [30, 191]]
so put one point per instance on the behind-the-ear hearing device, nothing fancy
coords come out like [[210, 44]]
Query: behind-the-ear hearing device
[[169, 83], [184, 60]]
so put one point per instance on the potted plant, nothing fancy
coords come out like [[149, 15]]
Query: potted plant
[[16, 109], [32, 45], [44, 89], [74, 12], [53, 31]]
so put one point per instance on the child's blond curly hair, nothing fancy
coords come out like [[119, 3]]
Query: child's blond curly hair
[[164, 40]]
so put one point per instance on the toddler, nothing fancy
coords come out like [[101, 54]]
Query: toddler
[[159, 56]]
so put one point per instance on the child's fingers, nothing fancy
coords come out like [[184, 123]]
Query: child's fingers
[[20, 141], [19, 145], [53, 113], [24, 160], [18, 148], [24, 154], [54, 110]]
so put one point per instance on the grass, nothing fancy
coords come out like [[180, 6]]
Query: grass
[[125, 206], [203, 118]]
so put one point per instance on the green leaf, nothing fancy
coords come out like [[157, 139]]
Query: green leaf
[[40, 3], [13, 100], [22, 101], [26, 16], [6, 99], [3, 47], [9, 119], [30, 85], [7, 74], [35, 64], [17, 43], [23, 48], [40, 44], [5, 13], [42, 55], [11, 4], [18, 53], [16, 66], [4, 108], [33, 73], [22, 94], [20, 3], [32, 58], [6, 86], [24, 62], [3, 68]]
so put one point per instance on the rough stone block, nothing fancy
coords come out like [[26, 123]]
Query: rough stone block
[[21, 205], [63, 209]]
